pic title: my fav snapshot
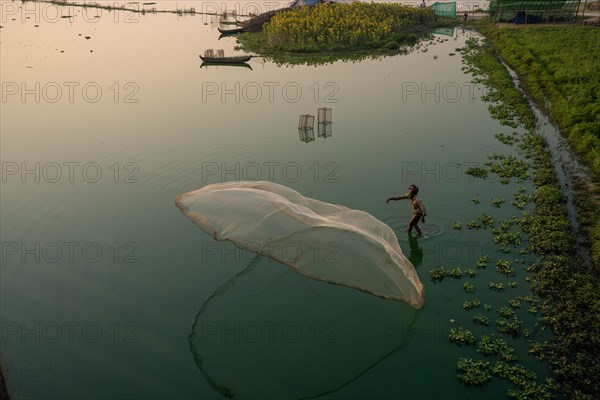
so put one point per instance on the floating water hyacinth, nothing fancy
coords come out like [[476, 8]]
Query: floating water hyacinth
[[278, 222]]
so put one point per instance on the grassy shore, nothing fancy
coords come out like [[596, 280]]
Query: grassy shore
[[570, 292], [559, 68]]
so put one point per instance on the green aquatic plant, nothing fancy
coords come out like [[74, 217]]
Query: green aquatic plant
[[486, 220], [468, 305], [474, 224], [513, 373], [481, 319], [509, 326], [508, 167], [485, 345], [455, 273], [508, 355], [477, 172], [438, 274], [497, 202], [476, 199], [457, 226], [473, 372], [461, 336], [470, 272], [531, 390], [505, 267], [532, 310], [483, 261], [469, 287], [498, 287], [514, 303], [528, 299], [507, 139], [483, 221], [506, 224], [508, 238], [539, 349], [488, 347], [521, 199], [507, 312]]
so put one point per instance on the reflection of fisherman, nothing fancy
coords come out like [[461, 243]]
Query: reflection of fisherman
[[416, 253], [419, 211], [423, 5]]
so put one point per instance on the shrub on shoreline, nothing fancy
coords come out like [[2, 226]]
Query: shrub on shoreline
[[338, 26]]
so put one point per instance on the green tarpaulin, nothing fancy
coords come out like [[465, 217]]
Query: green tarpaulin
[[524, 11], [447, 9]]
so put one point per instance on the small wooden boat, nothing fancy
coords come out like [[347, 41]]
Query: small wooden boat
[[238, 29], [227, 22], [218, 57], [226, 60]]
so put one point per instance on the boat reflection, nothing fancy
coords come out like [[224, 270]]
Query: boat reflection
[[213, 64]]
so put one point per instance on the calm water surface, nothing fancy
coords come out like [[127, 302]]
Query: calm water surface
[[108, 291]]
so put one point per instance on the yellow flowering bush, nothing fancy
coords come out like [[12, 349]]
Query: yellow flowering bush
[[340, 26]]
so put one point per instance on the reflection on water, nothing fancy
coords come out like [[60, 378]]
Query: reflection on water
[[324, 130], [207, 64], [306, 135], [416, 253], [271, 333]]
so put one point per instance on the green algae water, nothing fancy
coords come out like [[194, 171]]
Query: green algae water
[[108, 291]]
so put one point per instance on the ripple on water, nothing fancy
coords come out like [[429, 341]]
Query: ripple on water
[[438, 224]]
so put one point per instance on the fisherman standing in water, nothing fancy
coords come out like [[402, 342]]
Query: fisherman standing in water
[[419, 211]]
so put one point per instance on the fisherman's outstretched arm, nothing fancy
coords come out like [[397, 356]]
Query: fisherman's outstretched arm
[[399, 197]]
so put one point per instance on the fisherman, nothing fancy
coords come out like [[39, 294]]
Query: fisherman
[[419, 211]]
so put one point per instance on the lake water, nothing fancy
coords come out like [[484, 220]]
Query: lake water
[[109, 291]]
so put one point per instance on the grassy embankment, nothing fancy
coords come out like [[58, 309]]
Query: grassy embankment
[[340, 30], [559, 68], [569, 292]]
